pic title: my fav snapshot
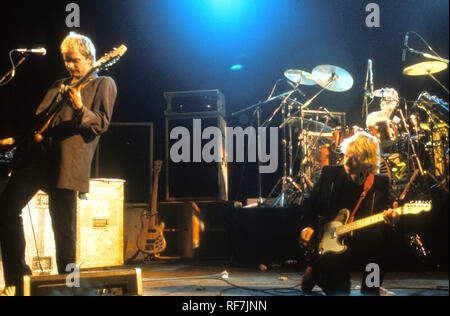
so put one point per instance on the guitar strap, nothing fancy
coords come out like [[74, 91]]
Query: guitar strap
[[367, 186]]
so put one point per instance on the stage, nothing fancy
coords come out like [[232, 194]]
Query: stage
[[205, 278], [214, 155]]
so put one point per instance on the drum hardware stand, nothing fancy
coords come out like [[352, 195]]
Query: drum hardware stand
[[365, 109], [419, 164], [257, 107], [286, 180], [408, 136]]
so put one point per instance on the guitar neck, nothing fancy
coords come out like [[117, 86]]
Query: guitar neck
[[153, 208], [365, 222]]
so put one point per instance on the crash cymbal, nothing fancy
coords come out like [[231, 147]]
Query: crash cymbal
[[308, 124], [300, 77], [332, 78], [425, 68]]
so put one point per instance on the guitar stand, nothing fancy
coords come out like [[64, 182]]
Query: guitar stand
[[144, 257]]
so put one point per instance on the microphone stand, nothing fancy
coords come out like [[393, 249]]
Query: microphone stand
[[365, 109], [12, 72], [257, 107]]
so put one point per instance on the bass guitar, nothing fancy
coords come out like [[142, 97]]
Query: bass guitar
[[151, 238], [331, 240]]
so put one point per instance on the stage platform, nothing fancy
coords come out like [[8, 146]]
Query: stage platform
[[193, 278]]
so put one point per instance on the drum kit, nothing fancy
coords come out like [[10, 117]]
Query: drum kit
[[312, 138]]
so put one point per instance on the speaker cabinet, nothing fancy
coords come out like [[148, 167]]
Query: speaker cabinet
[[196, 229], [194, 177]]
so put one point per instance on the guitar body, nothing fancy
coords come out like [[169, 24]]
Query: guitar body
[[151, 238], [332, 232], [330, 241]]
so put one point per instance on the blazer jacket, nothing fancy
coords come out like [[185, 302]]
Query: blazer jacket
[[73, 136]]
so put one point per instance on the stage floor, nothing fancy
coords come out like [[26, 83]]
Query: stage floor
[[191, 278]]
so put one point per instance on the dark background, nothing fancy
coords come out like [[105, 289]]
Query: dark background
[[177, 45]]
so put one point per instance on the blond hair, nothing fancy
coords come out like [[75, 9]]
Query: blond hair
[[364, 148], [82, 43]]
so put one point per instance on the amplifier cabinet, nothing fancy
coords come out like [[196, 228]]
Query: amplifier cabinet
[[196, 229], [193, 178], [195, 102]]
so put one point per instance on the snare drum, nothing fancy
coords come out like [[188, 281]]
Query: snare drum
[[384, 131]]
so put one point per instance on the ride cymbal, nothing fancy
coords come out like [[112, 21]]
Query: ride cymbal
[[332, 78], [425, 68]]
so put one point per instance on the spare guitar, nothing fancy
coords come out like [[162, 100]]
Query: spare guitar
[[151, 238], [24, 146], [331, 241]]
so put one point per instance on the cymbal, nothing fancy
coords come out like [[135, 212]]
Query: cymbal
[[425, 68], [300, 77], [308, 124], [332, 78]]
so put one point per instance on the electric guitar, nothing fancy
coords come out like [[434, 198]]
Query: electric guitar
[[151, 238], [25, 145], [331, 241]]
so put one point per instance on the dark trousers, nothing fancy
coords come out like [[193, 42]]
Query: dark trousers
[[333, 272], [22, 186]]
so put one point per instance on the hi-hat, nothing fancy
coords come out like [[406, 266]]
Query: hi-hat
[[332, 78], [425, 68], [300, 77]]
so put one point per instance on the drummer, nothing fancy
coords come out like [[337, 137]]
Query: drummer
[[381, 123], [388, 103]]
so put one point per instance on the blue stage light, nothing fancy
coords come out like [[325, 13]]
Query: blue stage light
[[236, 67]]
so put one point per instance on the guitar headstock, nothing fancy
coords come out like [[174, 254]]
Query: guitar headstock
[[158, 166], [416, 207], [110, 58]]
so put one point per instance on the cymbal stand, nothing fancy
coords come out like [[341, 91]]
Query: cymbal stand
[[307, 103], [257, 107], [442, 86], [286, 179]]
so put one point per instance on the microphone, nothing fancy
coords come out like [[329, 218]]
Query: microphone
[[405, 45], [371, 78], [330, 115], [39, 51]]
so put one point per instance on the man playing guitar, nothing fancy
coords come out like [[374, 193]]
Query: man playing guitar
[[354, 186], [58, 159]]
